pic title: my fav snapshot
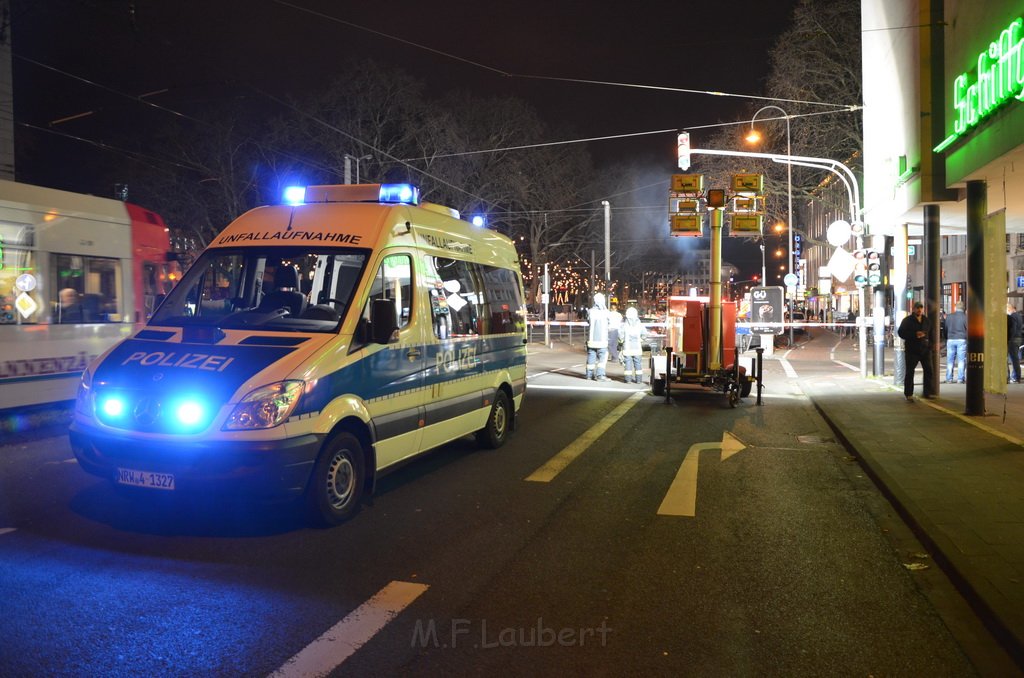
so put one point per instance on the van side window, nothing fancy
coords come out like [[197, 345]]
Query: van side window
[[459, 289], [392, 281], [503, 303], [469, 299]]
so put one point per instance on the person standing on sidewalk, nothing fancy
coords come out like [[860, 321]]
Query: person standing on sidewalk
[[597, 340], [956, 343], [915, 331], [1013, 339], [633, 334]]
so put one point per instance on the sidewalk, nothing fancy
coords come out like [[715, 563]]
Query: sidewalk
[[958, 481]]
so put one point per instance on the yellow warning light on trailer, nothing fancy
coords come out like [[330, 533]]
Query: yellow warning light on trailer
[[748, 184], [747, 224], [687, 183], [687, 225]]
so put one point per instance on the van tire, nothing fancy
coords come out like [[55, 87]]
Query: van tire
[[499, 423], [336, 486]]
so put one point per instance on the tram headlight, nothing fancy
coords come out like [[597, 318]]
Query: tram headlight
[[266, 407]]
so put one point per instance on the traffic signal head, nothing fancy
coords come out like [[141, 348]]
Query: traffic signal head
[[874, 267], [715, 197], [860, 268]]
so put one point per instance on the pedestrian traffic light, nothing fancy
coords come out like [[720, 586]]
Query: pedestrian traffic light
[[874, 266], [715, 197]]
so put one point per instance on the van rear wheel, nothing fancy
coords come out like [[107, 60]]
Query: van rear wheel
[[336, 486], [499, 423]]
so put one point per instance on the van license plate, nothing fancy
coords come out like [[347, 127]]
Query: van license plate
[[157, 481]]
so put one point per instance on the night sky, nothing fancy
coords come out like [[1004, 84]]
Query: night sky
[[206, 50]]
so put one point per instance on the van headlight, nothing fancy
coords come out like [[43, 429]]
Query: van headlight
[[265, 407]]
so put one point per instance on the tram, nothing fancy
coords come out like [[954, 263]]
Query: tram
[[77, 274]]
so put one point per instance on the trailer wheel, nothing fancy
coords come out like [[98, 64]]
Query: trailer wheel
[[336, 486], [658, 386], [745, 389], [733, 395]]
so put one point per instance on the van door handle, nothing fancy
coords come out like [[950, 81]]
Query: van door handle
[[413, 354]]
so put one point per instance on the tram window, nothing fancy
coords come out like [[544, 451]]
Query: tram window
[[96, 282]]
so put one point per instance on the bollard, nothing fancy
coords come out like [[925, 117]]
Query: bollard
[[759, 372], [668, 373]]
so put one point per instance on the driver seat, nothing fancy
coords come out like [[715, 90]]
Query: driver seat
[[286, 292]]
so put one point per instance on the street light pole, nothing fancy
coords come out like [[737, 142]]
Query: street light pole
[[348, 170], [607, 241], [789, 195]]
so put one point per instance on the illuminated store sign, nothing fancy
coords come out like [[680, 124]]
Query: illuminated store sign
[[999, 76]]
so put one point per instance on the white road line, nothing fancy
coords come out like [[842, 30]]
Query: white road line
[[582, 387], [554, 371], [855, 368], [790, 372], [5, 530], [328, 651], [557, 463]]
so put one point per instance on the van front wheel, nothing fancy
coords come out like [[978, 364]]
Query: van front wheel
[[499, 423], [336, 486]]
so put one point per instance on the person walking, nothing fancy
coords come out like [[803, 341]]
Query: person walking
[[1013, 340], [916, 333], [632, 336], [956, 343], [597, 340]]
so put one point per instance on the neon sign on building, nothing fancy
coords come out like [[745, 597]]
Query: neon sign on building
[[999, 77]]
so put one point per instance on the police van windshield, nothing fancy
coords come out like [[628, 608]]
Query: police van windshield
[[278, 289]]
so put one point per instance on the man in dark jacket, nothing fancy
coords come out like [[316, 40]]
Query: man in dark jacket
[[915, 331]]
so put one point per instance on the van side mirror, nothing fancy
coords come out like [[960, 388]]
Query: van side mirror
[[383, 320]]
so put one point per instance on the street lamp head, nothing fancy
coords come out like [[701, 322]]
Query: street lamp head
[[753, 136]]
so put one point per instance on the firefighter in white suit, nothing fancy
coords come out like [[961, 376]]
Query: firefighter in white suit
[[597, 340], [632, 336]]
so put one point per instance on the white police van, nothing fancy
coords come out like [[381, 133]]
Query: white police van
[[310, 347]]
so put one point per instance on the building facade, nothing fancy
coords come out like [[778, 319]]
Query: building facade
[[944, 152]]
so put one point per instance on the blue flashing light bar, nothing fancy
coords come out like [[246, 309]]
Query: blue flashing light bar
[[295, 195], [479, 220], [405, 194]]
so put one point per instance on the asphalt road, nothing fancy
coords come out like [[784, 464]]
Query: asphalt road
[[681, 539]]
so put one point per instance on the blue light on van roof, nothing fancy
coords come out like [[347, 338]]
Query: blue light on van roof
[[406, 194], [295, 195]]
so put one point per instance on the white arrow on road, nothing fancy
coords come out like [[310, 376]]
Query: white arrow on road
[[681, 499]]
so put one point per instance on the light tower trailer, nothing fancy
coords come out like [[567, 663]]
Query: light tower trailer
[[687, 354]]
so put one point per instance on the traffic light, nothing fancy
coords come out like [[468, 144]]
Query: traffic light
[[874, 265], [860, 268], [715, 197]]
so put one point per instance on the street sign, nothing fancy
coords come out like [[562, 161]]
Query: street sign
[[791, 280], [766, 306]]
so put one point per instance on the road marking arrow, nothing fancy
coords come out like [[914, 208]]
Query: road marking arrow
[[681, 498]]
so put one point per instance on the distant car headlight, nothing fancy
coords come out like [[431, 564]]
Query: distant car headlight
[[266, 407]]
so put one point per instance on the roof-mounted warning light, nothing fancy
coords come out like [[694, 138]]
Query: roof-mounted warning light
[[295, 195], [406, 194], [393, 194]]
